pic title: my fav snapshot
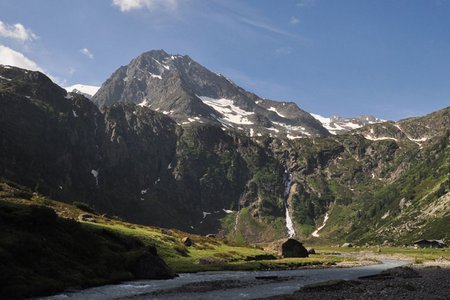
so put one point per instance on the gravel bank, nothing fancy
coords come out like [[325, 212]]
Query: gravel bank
[[430, 280]]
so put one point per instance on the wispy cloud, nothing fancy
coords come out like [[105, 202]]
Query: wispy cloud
[[11, 57], [241, 15], [264, 26], [87, 52], [294, 21], [127, 5], [284, 50], [303, 3], [16, 32]]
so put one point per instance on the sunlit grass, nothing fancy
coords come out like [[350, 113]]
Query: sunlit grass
[[418, 255]]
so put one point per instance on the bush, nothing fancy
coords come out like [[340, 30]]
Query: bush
[[84, 207], [181, 249]]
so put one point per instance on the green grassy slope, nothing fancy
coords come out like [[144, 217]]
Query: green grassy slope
[[45, 248]]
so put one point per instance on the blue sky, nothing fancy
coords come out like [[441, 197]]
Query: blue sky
[[388, 58]]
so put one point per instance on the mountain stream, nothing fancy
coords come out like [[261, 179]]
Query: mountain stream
[[226, 284]]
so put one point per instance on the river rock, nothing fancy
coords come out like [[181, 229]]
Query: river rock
[[293, 248]]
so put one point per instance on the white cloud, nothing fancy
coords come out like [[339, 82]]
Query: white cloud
[[294, 21], [86, 52], [127, 5], [17, 32], [11, 57], [284, 50], [303, 3], [14, 58]]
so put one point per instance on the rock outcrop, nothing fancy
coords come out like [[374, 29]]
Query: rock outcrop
[[293, 248]]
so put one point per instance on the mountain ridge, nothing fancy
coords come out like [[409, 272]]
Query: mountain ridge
[[140, 164]]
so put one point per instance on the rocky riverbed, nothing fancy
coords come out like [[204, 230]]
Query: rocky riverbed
[[430, 280]]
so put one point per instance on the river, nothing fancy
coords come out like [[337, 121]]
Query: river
[[225, 284]]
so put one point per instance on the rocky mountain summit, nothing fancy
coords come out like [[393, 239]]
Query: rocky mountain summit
[[188, 92], [381, 182]]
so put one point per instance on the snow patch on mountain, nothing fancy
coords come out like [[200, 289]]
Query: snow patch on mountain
[[230, 112], [380, 138], [417, 141], [336, 125], [292, 131], [293, 137], [155, 76], [4, 78], [327, 123], [276, 111], [87, 90], [144, 103], [161, 64], [316, 232]]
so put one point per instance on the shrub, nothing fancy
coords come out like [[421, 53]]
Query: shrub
[[84, 207], [181, 249]]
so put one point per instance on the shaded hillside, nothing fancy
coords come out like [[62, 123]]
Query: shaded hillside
[[42, 252]]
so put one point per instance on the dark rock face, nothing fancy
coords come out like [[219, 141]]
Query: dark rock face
[[293, 248]]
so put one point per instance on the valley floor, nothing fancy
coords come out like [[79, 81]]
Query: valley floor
[[430, 280]]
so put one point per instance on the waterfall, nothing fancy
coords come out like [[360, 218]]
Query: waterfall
[[287, 180], [236, 220]]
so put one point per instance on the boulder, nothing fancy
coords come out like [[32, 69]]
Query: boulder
[[187, 241], [293, 248], [212, 236], [311, 251], [149, 266], [347, 245]]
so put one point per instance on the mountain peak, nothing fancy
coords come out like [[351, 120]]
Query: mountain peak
[[188, 92]]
